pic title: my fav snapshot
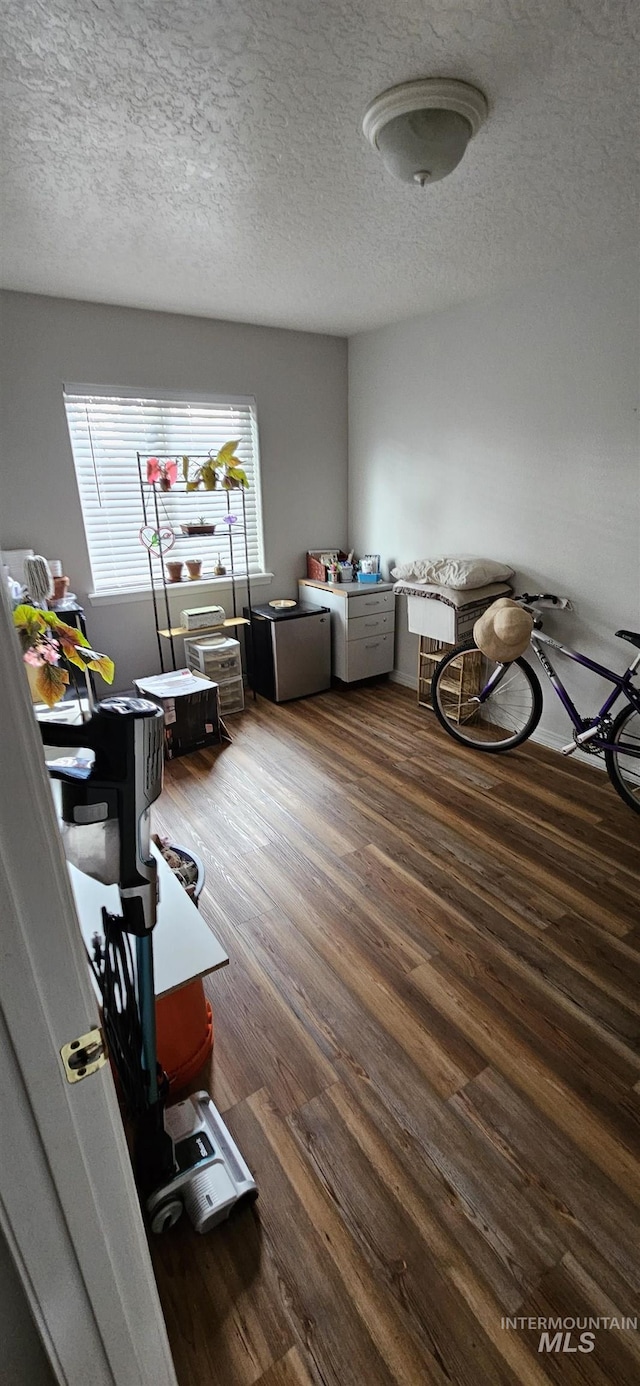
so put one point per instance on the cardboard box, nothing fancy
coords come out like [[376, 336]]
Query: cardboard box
[[191, 707]]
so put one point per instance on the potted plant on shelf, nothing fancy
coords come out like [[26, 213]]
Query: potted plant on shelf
[[164, 474], [52, 650], [202, 527], [221, 469]]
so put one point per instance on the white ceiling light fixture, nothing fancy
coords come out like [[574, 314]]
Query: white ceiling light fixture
[[421, 129]]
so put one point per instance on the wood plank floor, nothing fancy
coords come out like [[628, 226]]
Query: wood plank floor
[[427, 1047]]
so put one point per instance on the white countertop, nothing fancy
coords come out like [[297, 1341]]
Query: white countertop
[[347, 587], [184, 946]]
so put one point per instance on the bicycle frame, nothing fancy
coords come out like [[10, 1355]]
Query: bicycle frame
[[622, 686]]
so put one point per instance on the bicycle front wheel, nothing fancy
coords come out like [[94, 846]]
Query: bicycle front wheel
[[498, 721], [623, 764]]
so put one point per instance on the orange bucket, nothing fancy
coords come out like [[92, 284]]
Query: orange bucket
[[184, 1033]]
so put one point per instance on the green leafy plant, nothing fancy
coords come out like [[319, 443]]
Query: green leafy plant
[[222, 469], [50, 649]]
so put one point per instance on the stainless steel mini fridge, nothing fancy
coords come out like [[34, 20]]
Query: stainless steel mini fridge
[[290, 650]]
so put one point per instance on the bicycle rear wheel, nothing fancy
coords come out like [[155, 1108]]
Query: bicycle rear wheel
[[623, 764], [508, 715]]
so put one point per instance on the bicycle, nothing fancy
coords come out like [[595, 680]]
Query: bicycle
[[495, 707]]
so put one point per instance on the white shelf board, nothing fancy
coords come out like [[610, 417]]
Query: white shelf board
[[184, 947]]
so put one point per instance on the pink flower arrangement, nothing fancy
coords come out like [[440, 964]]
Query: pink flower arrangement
[[164, 473], [53, 648], [45, 652]]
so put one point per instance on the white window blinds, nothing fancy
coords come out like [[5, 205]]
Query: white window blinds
[[108, 430]]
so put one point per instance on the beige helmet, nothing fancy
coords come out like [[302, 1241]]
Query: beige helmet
[[503, 631]]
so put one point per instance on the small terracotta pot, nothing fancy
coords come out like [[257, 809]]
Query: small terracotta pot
[[60, 587], [174, 569], [194, 567]]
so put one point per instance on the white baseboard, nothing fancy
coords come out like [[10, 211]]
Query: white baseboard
[[407, 680], [553, 740]]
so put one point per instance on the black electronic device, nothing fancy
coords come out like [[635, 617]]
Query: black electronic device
[[184, 1155], [105, 806]]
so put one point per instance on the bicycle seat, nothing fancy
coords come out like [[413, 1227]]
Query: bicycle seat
[[633, 636]]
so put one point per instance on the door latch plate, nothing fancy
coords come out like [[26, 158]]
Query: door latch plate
[[84, 1055]]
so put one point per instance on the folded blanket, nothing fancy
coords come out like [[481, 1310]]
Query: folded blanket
[[452, 596]]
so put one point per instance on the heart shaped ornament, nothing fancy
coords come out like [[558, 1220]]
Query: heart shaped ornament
[[157, 541]]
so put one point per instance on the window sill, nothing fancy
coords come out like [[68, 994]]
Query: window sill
[[200, 585]]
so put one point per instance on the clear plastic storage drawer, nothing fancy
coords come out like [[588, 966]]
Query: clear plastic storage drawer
[[231, 696], [217, 657]]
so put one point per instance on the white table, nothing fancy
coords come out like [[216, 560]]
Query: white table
[[184, 947]]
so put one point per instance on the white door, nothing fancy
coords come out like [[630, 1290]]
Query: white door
[[68, 1204]]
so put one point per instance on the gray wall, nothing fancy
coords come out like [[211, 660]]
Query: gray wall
[[300, 384], [508, 427], [505, 426], [22, 1356]]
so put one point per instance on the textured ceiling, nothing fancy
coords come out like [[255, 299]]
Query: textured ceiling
[[206, 156]]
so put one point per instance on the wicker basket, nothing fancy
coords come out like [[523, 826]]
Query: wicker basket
[[318, 571]]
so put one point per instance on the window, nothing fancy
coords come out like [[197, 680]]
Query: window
[[108, 429]]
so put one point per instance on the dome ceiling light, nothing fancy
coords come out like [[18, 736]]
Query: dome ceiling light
[[421, 129]]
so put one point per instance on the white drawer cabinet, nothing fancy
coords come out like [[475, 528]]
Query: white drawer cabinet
[[365, 603], [362, 625], [378, 623], [372, 655]]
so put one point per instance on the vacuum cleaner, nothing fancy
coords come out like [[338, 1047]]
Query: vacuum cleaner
[[184, 1156]]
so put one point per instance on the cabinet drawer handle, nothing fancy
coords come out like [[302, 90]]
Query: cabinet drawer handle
[[374, 646], [371, 623]]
